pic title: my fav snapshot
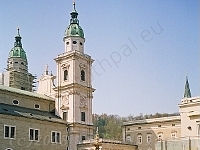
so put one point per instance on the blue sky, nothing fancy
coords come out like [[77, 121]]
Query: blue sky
[[142, 49]]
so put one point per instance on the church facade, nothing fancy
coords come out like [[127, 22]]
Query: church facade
[[59, 114], [56, 116]]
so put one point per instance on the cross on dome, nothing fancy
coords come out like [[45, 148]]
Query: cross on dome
[[74, 4]]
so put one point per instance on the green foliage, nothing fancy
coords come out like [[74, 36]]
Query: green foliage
[[109, 126]]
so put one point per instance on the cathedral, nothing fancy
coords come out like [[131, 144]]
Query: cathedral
[[59, 114]]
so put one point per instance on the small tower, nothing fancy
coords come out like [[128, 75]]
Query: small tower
[[46, 83], [74, 36], [17, 74], [74, 89]]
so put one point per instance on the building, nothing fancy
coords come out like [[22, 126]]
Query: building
[[28, 121], [175, 132], [73, 93], [102, 144], [145, 133], [58, 115], [17, 74], [189, 109]]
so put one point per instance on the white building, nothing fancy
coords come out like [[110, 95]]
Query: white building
[[73, 91]]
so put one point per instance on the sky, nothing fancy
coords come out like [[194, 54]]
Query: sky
[[143, 50]]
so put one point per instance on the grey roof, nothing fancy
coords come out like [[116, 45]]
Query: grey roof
[[152, 120], [32, 94], [29, 113]]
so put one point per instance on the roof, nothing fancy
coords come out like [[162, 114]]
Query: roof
[[17, 51], [23, 92], [153, 120], [74, 29], [187, 93], [29, 113]]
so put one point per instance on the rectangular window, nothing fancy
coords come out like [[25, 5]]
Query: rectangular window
[[58, 137], [198, 129], [83, 138], [9, 131], [36, 135], [55, 137], [65, 116], [33, 134], [82, 116]]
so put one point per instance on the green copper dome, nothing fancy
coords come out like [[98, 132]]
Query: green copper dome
[[17, 50], [74, 29]]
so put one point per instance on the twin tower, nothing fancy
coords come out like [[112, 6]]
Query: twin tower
[[73, 92]]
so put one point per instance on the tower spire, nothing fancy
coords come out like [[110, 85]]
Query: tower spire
[[18, 38], [74, 15], [74, 4], [18, 31], [187, 93]]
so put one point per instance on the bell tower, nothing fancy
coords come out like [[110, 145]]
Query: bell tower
[[17, 75], [74, 89]]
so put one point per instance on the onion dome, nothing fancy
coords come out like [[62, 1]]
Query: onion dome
[[17, 51], [74, 29]]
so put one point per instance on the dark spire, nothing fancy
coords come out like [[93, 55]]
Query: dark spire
[[187, 93], [74, 4], [18, 38], [74, 15]]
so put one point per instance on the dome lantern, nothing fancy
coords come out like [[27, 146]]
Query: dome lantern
[[74, 29]]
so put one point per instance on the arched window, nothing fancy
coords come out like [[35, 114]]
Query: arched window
[[148, 137], [139, 138], [66, 75], [82, 75]]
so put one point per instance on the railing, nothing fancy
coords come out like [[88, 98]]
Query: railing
[[106, 141], [70, 52], [186, 143]]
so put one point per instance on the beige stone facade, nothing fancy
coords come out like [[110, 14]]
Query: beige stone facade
[[20, 116], [22, 141], [189, 109], [145, 133]]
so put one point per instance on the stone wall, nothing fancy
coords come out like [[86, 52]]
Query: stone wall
[[21, 140]]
